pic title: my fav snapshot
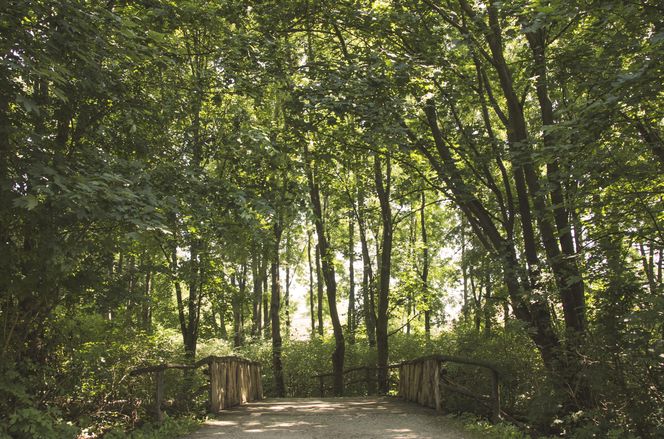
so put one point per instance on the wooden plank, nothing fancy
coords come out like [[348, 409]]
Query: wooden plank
[[215, 405], [234, 383], [259, 379], [244, 383], [223, 378], [437, 393]]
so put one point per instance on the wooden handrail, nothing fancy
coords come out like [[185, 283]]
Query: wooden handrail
[[218, 366], [492, 402], [202, 362], [439, 382], [451, 359]]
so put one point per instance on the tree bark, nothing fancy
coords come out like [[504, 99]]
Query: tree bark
[[367, 274], [277, 367], [351, 279], [312, 309], [257, 297], [383, 190], [425, 268], [330, 281], [319, 290]]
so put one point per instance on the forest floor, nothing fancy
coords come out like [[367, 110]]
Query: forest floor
[[299, 418]]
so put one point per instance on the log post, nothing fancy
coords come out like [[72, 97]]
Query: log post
[[321, 386]]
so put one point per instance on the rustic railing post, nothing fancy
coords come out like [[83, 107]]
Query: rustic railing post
[[159, 395]]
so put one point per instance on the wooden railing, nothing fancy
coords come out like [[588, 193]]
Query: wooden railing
[[232, 381], [424, 381]]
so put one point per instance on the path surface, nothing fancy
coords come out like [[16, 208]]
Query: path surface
[[330, 418]]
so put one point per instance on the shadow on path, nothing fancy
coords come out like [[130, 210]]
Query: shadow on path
[[298, 418]]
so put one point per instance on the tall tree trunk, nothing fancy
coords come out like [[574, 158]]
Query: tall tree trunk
[[146, 308], [327, 266], [410, 298], [488, 302], [257, 297], [280, 388], [193, 301], [351, 279], [319, 289], [477, 300], [266, 300], [312, 310], [425, 268], [223, 333], [565, 267], [526, 306], [464, 269], [383, 191], [367, 273], [288, 282], [237, 301], [186, 319]]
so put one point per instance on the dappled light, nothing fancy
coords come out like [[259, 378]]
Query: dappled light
[[330, 418], [207, 203]]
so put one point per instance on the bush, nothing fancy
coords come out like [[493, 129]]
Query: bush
[[20, 415], [170, 428]]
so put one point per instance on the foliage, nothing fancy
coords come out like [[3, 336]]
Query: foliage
[[170, 428], [163, 166], [485, 429]]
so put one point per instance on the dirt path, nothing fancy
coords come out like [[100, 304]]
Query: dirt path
[[299, 418]]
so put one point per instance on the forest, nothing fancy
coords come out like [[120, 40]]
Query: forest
[[318, 185]]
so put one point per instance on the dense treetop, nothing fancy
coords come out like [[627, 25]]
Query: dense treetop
[[187, 177]]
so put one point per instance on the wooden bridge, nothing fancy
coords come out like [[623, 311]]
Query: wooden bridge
[[233, 382]]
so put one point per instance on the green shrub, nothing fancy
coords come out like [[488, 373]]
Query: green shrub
[[170, 428], [20, 415]]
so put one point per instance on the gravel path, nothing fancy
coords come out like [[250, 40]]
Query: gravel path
[[329, 418]]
